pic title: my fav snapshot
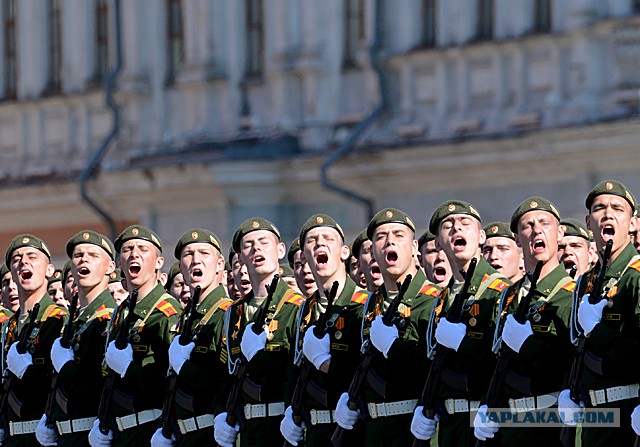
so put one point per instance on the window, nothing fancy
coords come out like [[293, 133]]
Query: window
[[102, 40], [354, 32], [484, 26], [255, 38], [175, 38], [9, 26], [429, 23], [54, 40], [542, 16]]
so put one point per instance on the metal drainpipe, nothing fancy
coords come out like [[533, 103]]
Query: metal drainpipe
[[348, 145], [94, 164]]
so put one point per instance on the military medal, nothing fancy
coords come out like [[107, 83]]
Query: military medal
[[536, 317], [270, 336], [338, 335], [474, 310], [32, 349], [136, 338], [609, 303], [472, 321]]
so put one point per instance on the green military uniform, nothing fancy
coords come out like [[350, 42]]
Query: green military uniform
[[270, 369], [28, 396], [538, 368], [142, 388], [203, 381], [80, 383], [467, 372], [324, 389], [399, 378], [613, 347]]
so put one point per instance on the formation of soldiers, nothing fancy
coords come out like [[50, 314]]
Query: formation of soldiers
[[391, 341]]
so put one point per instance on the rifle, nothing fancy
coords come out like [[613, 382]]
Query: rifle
[[356, 387], [121, 340], [432, 385], [21, 347], [576, 390], [169, 425], [234, 401], [319, 330], [505, 354], [65, 342]]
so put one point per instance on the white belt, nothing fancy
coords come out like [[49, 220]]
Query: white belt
[[533, 403], [142, 417], [461, 405], [391, 408], [613, 394], [196, 423], [22, 428], [321, 416], [263, 410], [75, 425]]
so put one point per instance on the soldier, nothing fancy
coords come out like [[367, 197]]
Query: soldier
[[353, 266], [301, 270], [118, 292], [29, 260], [502, 252], [240, 276], [334, 357], [366, 262], [542, 344], [201, 366], [575, 248], [398, 364], [176, 285], [433, 261], [269, 355], [458, 229], [141, 367], [79, 367], [610, 374], [286, 273], [9, 289], [55, 289]]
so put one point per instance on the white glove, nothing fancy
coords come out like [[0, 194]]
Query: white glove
[[60, 356], [46, 436], [483, 426], [158, 440], [18, 363], [569, 410], [290, 431], [119, 359], [316, 349], [422, 427], [590, 314], [179, 354], [514, 334], [223, 433], [635, 420], [382, 336], [344, 416], [97, 439], [252, 343], [450, 334]]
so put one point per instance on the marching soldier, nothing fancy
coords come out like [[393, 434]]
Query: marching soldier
[[141, 367], [301, 270], [399, 360], [334, 357], [542, 344], [176, 284], [79, 367], [611, 370], [353, 266], [366, 262], [458, 229], [116, 288], [240, 275], [29, 260], [433, 261], [202, 364], [502, 252], [55, 288], [269, 355], [9, 292], [575, 248]]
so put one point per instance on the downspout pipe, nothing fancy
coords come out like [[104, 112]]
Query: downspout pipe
[[93, 165], [349, 144]]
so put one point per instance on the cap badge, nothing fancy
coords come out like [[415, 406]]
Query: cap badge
[[135, 231], [389, 214], [494, 229], [112, 275], [564, 228], [194, 235], [608, 186], [25, 240], [533, 204], [451, 207], [319, 220], [85, 236], [255, 224]]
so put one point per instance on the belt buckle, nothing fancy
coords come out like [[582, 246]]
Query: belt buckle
[[373, 410], [182, 427], [313, 417], [448, 404]]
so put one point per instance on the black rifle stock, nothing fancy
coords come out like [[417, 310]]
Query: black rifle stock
[[65, 342], [319, 330], [339, 437], [432, 385], [506, 353], [234, 400], [121, 340], [576, 390], [169, 424]]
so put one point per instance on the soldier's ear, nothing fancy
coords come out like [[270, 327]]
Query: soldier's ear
[[633, 224], [281, 250], [159, 262], [482, 238], [111, 268], [518, 240], [50, 271], [345, 253]]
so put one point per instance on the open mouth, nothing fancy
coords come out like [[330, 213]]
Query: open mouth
[[440, 273], [459, 243], [496, 265], [608, 232], [568, 264], [375, 271], [134, 269], [391, 257], [538, 245], [322, 259], [25, 274], [196, 273], [83, 271]]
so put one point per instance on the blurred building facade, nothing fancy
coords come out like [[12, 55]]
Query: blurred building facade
[[230, 109]]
